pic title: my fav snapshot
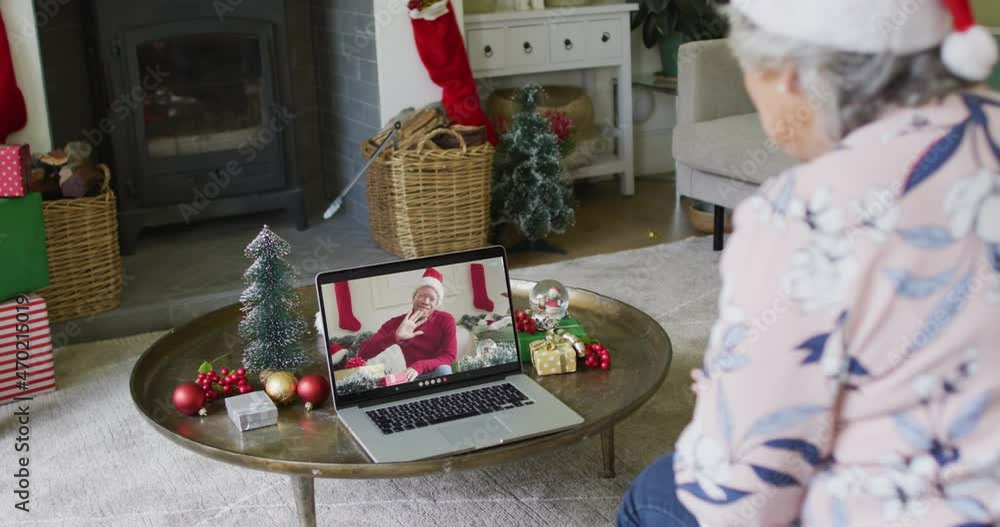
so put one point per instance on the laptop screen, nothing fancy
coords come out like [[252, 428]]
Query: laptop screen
[[417, 324]]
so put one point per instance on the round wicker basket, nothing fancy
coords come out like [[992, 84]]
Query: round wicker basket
[[571, 100], [703, 220]]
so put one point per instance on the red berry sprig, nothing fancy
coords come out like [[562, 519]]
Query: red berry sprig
[[524, 323], [222, 384], [597, 356]]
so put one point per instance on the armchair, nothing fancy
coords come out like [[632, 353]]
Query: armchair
[[721, 150]]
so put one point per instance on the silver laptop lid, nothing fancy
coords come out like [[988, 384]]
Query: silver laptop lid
[[412, 326]]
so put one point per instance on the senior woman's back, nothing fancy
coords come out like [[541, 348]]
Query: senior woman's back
[[855, 363], [851, 378]]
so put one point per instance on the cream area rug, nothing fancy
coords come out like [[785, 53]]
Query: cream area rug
[[95, 462]]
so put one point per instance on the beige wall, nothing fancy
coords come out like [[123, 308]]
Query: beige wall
[[987, 12]]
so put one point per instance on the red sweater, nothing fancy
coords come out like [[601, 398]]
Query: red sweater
[[436, 347]]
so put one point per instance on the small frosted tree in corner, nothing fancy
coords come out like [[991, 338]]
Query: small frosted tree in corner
[[271, 323], [530, 188]]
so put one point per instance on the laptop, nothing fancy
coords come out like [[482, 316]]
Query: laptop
[[424, 357]]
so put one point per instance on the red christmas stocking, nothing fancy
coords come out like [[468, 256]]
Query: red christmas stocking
[[480, 298], [345, 309], [13, 114], [441, 49]]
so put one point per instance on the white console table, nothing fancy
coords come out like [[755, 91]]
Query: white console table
[[580, 38]]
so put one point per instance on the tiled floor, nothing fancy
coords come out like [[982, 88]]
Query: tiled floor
[[181, 272]]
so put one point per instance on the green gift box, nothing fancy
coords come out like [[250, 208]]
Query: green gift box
[[22, 246], [524, 340]]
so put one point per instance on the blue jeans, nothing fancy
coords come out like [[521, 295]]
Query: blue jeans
[[444, 369], [652, 499]]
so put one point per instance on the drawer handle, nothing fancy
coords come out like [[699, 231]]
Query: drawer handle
[[605, 37], [527, 48], [488, 51], [568, 44]]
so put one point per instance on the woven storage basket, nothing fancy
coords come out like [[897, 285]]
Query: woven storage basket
[[425, 201], [571, 100], [85, 268]]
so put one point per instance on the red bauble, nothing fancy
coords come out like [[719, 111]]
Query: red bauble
[[313, 389], [188, 398]]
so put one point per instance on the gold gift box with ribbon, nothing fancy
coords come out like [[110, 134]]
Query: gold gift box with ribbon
[[552, 355]]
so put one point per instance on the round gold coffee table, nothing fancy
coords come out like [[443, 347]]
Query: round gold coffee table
[[308, 445]]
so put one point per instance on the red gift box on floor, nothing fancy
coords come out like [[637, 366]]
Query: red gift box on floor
[[26, 365], [392, 379], [15, 169]]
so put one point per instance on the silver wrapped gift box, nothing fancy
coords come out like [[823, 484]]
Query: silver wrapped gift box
[[251, 410]]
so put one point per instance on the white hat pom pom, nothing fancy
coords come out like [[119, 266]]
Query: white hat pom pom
[[970, 54]]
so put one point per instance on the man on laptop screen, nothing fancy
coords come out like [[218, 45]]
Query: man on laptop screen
[[425, 335], [402, 328], [424, 359]]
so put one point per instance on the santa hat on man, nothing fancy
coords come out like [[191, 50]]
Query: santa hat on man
[[879, 26], [433, 279]]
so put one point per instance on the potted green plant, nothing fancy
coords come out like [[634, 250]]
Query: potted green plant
[[670, 23]]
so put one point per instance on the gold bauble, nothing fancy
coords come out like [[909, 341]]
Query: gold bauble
[[280, 387]]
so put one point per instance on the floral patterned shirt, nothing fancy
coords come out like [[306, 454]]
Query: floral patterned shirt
[[854, 373]]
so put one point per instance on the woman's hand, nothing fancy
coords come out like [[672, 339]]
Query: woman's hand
[[411, 374], [407, 328]]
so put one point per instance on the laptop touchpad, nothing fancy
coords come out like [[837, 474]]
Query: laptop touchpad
[[474, 432]]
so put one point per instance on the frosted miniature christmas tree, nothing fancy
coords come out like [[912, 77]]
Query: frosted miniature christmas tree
[[530, 187], [271, 325]]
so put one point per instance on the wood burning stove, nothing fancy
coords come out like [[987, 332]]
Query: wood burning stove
[[195, 111]]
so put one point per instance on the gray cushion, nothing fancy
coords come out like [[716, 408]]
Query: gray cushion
[[735, 147]]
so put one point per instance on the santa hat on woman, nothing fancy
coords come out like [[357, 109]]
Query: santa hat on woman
[[880, 26], [433, 279]]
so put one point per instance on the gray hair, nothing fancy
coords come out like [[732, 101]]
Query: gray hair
[[848, 89]]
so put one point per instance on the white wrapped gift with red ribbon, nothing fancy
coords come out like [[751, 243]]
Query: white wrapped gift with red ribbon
[[27, 368]]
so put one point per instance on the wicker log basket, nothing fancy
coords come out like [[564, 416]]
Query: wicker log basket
[[85, 268], [427, 200]]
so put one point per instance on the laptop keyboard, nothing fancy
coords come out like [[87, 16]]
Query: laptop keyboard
[[436, 410]]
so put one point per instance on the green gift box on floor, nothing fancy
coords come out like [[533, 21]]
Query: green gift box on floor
[[24, 266], [524, 340]]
